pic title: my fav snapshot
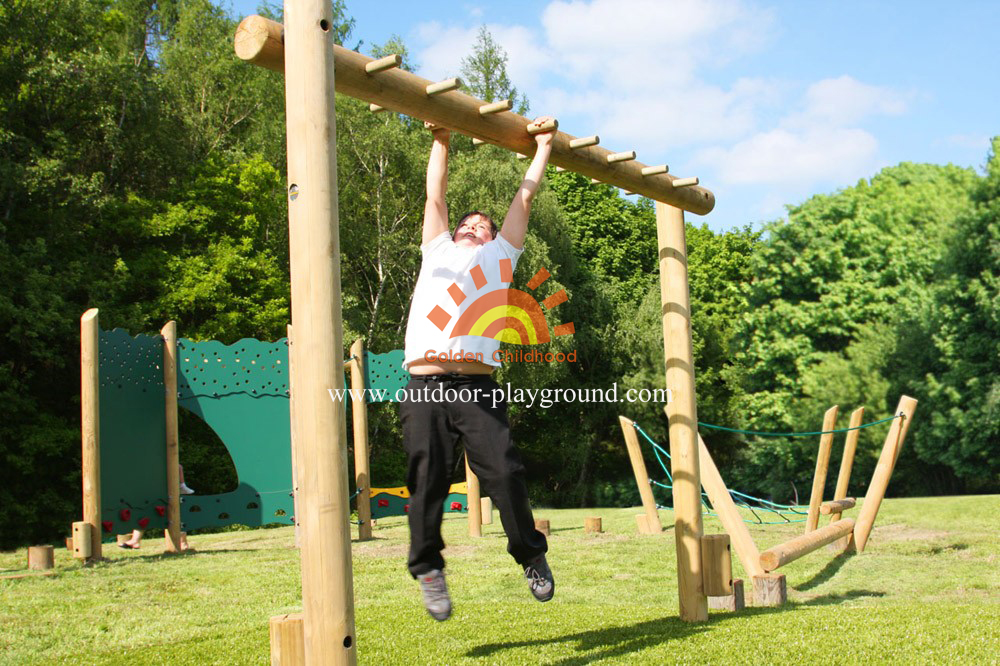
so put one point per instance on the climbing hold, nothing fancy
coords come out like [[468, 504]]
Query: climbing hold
[[383, 502], [160, 510], [125, 515], [107, 525], [143, 522], [406, 508], [456, 506]]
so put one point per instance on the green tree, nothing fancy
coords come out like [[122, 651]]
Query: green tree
[[484, 73]]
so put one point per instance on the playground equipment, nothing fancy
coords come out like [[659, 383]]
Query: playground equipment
[[242, 392], [847, 533], [314, 68]]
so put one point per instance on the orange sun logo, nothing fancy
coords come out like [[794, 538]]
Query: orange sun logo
[[507, 315]]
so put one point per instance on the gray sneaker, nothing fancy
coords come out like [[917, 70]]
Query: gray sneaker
[[540, 579], [435, 590]]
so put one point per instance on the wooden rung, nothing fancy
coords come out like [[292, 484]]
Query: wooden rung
[[496, 107], [585, 141], [547, 126], [836, 506], [654, 170], [444, 86], [375, 108], [792, 550], [684, 182], [477, 142], [621, 157], [383, 64]]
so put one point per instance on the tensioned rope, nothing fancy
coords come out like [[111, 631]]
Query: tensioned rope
[[759, 433], [740, 499]]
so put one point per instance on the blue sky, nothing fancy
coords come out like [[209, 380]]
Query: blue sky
[[766, 102]]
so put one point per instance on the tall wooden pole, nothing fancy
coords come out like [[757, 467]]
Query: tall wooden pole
[[847, 459], [90, 422], [653, 524], [681, 410], [822, 465], [314, 242], [883, 471], [173, 531], [359, 419]]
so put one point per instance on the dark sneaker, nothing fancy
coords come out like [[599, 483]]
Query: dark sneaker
[[435, 591], [540, 579]]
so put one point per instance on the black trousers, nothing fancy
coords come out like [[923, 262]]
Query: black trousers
[[431, 429]]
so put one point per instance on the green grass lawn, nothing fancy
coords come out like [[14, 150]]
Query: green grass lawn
[[925, 590]]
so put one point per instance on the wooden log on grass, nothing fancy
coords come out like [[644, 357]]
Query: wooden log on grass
[[592, 525], [41, 557], [260, 41], [730, 602], [778, 556], [542, 526], [486, 509], [287, 640], [82, 541], [652, 521], [822, 464], [883, 471], [769, 589]]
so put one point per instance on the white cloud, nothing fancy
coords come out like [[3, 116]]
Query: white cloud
[[782, 157], [845, 100]]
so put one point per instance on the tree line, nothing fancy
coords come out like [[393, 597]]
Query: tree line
[[141, 172]]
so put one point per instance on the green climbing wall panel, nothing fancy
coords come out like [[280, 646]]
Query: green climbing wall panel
[[385, 371], [133, 432], [241, 392]]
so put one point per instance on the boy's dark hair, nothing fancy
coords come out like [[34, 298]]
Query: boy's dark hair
[[494, 229]]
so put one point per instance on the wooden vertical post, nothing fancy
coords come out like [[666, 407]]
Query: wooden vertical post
[[359, 419], [847, 459], [486, 507], [296, 516], [83, 546], [717, 565], [681, 410], [822, 464], [90, 421], [318, 352], [472, 500], [652, 520], [883, 471], [173, 531]]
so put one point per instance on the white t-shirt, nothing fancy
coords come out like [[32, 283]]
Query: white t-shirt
[[445, 264]]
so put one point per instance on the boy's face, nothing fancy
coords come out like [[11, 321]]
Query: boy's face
[[475, 230]]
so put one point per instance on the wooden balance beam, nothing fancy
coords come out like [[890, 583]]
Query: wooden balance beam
[[382, 83], [790, 551]]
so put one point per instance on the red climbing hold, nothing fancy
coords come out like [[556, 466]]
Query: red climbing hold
[[406, 508], [383, 502], [107, 525], [143, 522], [125, 515], [456, 506], [160, 510]]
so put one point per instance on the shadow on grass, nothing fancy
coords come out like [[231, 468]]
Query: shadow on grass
[[826, 573], [605, 643], [839, 598]]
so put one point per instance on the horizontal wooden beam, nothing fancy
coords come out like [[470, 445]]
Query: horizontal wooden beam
[[772, 558], [260, 41], [836, 506]]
